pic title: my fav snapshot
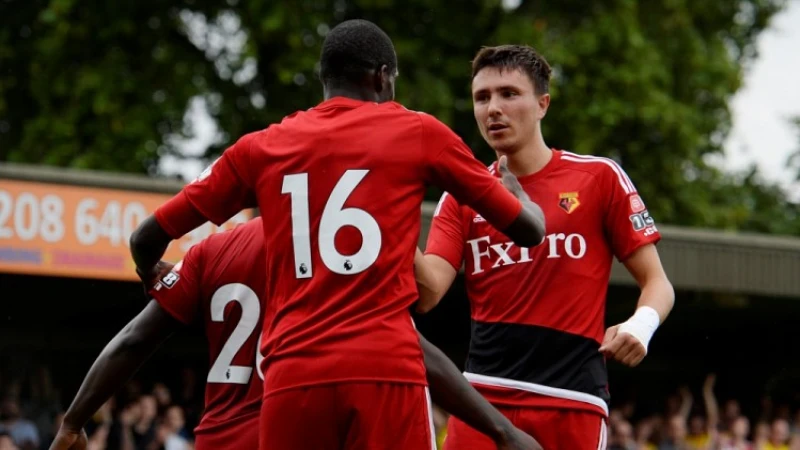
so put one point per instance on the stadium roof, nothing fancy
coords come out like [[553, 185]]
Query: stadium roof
[[695, 259]]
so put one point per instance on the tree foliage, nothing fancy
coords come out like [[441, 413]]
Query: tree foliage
[[106, 85]]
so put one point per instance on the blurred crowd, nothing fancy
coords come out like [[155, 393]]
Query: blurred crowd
[[141, 417], [690, 425], [158, 417]]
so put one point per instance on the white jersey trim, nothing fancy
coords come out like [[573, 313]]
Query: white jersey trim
[[538, 389], [622, 177], [602, 440], [429, 406], [439, 205]]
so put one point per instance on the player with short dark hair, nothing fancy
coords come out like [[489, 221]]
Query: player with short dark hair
[[342, 185], [512, 58], [537, 348], [356, 48], [218, 282]]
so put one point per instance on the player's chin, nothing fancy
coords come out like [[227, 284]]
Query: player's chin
[[504, 145]]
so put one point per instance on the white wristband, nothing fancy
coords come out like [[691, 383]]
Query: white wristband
[[642, 325]]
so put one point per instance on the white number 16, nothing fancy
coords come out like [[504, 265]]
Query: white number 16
[[334, 217]]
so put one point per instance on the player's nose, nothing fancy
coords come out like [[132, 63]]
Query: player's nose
[[493, 106]]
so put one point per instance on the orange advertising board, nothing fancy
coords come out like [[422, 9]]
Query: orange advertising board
[[58, 230]]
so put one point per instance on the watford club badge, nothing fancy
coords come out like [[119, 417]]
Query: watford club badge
[[568, 201]]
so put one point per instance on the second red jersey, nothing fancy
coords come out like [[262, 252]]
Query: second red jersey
[[340, 187], [538, 313], [219, 283]]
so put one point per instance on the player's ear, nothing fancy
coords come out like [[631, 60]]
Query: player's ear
[[544, 103], [384, 83]]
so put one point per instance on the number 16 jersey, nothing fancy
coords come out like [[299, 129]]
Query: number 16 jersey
[[340, 188]]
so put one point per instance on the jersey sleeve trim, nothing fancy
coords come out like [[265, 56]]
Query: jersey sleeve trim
[[622, 177]]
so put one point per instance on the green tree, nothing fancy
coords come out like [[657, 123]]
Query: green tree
[[648, 83]]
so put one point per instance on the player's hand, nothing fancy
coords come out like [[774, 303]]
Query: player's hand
[[622, 347], [517, 439], [510, 181], [708, 385], [70, 440], [150, 276]]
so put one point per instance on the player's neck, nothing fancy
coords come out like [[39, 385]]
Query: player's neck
[[529, 159], [354, 93]]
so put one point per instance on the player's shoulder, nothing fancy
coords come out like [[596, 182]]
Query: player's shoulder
[[433, 127], [601, 167], [248, 139], [250, 232], [290, 119], [428, 124]]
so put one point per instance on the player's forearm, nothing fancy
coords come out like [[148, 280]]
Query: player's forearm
[[426, 284], [655, 303], [450, 390], [657, 293], [115, 365], [118, 361], [528, 229], [148, 243], [434, 276]]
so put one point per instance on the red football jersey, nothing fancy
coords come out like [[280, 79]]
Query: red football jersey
[[340, 187], [220, 282], [538, 313]]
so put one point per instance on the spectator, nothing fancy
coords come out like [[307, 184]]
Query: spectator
[[191, 399], [144, 431], [737, 438], [99, 439], [173, 432], [621, 436], [163, 397], [778, 436], [676, 435], [6, 443], [794, 442], [645, 431], [23, 432], [45, 403], [796, 423], [731, 411], [51, 433], [704, 431], [761, 435], [120, 435]]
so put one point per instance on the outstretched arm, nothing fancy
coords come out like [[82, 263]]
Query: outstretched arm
[[451, 391], [628, 341], [528, 229], [148, 243], [118, 361], [434, 276]]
